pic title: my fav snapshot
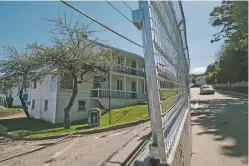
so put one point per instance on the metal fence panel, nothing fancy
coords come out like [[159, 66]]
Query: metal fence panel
[[167, 68]]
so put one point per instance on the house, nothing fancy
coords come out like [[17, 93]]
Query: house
[[200, 81], [15, 96], [127, 87], [3, 102]]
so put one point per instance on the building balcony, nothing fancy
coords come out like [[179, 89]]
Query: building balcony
[[114, 94], [129, 71]]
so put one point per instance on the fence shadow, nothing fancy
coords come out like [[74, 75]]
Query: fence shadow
[[225, 118], [229, 94]]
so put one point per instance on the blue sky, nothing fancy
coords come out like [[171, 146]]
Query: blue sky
[[24, 22]]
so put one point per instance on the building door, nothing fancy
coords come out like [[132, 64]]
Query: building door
[[133, 89]]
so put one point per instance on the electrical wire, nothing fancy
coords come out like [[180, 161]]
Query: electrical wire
[[100, 23], [119, 12], [127, 5]]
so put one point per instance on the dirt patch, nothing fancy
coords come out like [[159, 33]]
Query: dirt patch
[[13, 115]]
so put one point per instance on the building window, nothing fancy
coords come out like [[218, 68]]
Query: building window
[[119, 85], [53, 83], [96, 83], [34, 84], [143, 88], [121, 61], [81, 105], [33, 104], [67, 82], [45, 105], [25, 97]]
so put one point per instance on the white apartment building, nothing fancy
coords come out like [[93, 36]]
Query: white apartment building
[[47, 100]]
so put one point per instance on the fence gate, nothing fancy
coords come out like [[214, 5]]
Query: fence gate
[[167, 67]]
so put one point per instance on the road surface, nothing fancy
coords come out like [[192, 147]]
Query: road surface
[[220, 129], [110, 149]]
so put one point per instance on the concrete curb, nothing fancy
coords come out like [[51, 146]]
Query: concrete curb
[[94, 131], [237, 93]]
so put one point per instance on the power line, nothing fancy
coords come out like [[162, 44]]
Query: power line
[[127, 5], [100, 23], [119, 12]]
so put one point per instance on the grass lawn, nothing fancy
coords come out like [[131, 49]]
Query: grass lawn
[[10, 111], [168, 93], [23, 128]]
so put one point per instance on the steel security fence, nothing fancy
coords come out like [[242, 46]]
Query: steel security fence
[[167, 67]]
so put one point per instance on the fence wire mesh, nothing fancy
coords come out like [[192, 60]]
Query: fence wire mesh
[[170, 53]]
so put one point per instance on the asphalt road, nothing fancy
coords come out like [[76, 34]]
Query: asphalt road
[[220, 129], [109, 148]]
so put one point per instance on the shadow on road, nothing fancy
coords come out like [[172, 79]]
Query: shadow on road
[[225, 118]]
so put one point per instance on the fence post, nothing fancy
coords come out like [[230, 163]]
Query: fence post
[[157, 148]]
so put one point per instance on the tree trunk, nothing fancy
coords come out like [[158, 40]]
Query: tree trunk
[[24, 107], [70, 103]]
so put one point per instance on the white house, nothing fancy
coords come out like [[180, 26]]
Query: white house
[[201, 81], [126, 83], [16, 100]]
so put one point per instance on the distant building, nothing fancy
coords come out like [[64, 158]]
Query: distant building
[[200, 81]]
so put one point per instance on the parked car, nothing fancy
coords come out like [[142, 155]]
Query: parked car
[[206, 89]]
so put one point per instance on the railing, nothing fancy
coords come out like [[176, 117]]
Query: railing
[[114, 94], [128, 70]]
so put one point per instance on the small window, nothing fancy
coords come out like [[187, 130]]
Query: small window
[[96, 83], [142, 88], [25, 97], [33, 104], [34, 84], [119, 85], [46, 105], [67, 82], [82, 106], [120, 61]]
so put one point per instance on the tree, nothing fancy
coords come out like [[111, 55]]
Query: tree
[[19, 69], [232, 16], [232, 57], [74, 54]]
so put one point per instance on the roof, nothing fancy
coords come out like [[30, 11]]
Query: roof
[[122, 51]]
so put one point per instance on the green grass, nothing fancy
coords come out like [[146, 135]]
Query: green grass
[[23, 128], [40, 128], [10, 111], [168, 93]]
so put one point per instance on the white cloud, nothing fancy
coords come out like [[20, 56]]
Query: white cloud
[[198, 70]]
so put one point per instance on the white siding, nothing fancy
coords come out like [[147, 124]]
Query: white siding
[[41, 93], [16, 100], [84, 93]]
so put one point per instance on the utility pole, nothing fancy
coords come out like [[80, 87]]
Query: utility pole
[[109, 97]]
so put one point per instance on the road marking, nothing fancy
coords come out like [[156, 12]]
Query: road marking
[[60, 152]]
